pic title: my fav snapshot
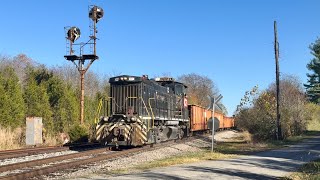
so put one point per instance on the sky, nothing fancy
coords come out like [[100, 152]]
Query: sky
[[230, 41]]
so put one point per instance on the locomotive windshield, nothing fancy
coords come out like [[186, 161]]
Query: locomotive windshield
[[179, 89]]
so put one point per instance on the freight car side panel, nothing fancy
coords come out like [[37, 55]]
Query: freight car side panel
[[198, 118], [221, 119], [229, 122]]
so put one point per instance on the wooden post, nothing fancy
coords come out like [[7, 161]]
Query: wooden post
[[276, 52]]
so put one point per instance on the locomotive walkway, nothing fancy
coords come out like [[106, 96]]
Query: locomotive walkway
[[265, 165]]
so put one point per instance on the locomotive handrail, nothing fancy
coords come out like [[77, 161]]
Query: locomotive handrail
[[98, 111], [151, 111]]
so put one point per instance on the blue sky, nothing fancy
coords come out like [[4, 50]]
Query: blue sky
[[229, 41]]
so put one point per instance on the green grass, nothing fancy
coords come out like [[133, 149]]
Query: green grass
[[309, 171], [242, 148]]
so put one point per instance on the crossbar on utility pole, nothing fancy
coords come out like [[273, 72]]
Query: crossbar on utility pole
[[276, 53]]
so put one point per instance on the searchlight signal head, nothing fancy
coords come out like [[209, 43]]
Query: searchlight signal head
[[73, 34], [96, 13]]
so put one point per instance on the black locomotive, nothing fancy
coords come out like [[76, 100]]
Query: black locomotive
[[143, 111]]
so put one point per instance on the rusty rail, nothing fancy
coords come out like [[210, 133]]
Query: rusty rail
[[28, 152], [38, 162], [26, 149], [68, 165]]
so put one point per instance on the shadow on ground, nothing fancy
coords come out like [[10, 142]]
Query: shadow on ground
[[263, 165]]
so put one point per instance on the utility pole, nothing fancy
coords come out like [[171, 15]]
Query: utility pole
[[276, 53]]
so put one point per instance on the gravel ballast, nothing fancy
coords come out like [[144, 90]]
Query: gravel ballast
[[104, 167]]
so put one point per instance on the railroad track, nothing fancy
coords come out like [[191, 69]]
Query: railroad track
[[15, 153], [95, 155], [30, 151]]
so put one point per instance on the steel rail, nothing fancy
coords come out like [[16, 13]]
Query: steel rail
[[68, 165], [31, 152], [38, 162], [27, 149]]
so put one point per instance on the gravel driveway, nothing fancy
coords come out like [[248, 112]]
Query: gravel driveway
[[265, 165]]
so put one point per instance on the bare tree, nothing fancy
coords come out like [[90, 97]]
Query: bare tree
[[199, 88], [292, 104], [19, 63]]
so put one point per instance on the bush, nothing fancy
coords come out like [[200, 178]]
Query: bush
[[78, 133], [312, 114], [259, 117]]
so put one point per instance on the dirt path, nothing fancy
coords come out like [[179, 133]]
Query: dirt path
[[265, 165]]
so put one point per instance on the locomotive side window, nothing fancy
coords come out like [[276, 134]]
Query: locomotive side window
[[179, 89]]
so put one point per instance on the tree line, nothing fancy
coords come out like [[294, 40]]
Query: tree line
[[299, 104], [28, 88]]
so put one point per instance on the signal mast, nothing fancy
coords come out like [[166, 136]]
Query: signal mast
[[83, 61]]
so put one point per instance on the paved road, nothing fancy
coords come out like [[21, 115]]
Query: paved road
[[265, 165]]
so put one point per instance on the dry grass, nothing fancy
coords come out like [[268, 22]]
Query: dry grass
[[15, 139], [185, 158], [11, 139], [246, 137], [51, 140], [180, 159]]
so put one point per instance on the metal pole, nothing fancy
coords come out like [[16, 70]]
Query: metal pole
[[82, 73], [94, 37], [276, 51], [213, 104]]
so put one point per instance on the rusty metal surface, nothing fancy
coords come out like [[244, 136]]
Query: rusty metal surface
[[228, 122], [199, 117], [28, 152], [25, 149]]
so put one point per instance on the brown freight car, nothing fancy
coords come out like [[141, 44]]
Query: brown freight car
[[201, 119], [228, 122], [198, 118]]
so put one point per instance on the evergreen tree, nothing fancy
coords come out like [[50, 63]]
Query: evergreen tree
[[15, 105], [63, 102], [313, 85], [4, 108], [37, 101]]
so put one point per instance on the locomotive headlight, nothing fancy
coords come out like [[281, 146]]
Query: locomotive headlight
[[133, 119], [116, 79], [121, 78], [131, 78]]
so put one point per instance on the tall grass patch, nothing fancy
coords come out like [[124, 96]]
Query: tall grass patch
[[11, 139]]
